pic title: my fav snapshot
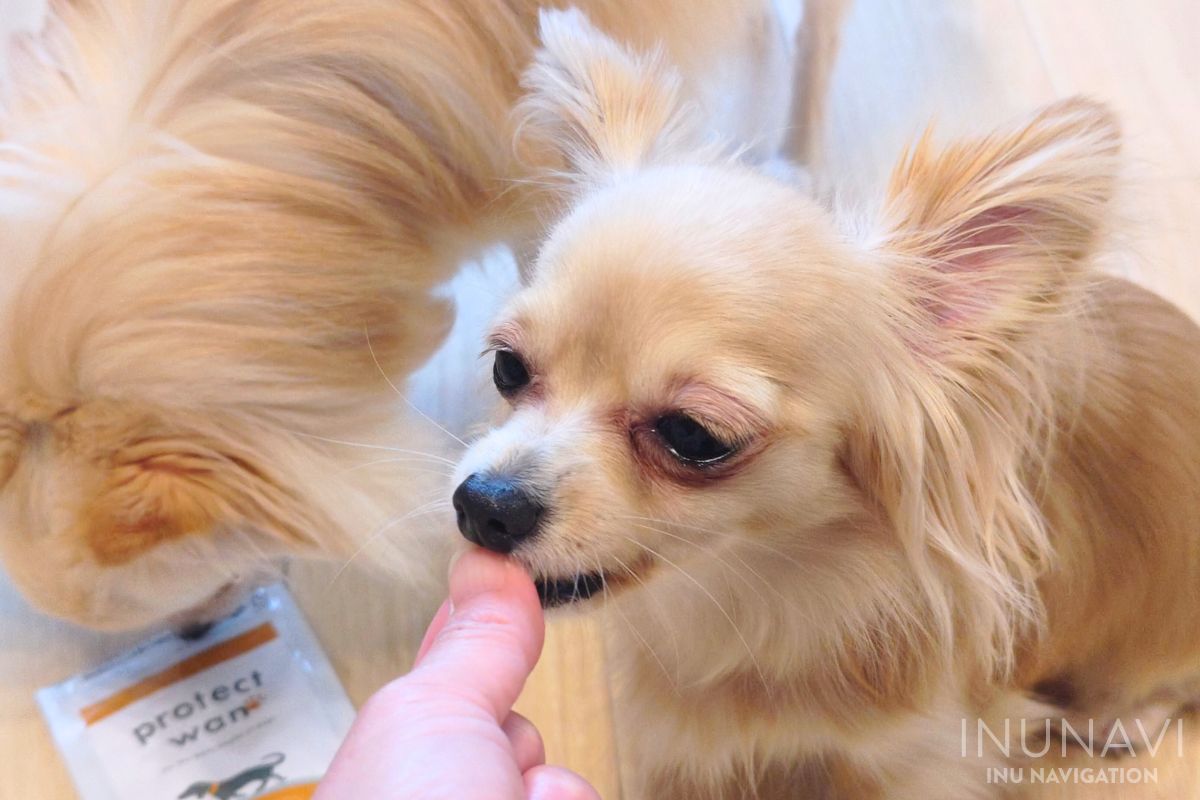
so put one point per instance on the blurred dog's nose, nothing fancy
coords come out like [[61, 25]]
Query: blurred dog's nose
[[494, 512]]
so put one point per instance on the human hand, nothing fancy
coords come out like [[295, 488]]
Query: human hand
[[447, 729]]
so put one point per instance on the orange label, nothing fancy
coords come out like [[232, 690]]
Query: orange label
[[292, 793], [205, 659]]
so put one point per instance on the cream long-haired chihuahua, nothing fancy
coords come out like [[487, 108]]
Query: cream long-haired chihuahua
[[220, 225], [844, 484]]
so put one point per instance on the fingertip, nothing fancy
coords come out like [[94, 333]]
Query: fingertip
[[492, 635], [479, 572], [557, 783], [489, 590]]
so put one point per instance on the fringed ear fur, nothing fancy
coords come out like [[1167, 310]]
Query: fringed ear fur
[[991, 233], [594, 108], [986, 240]]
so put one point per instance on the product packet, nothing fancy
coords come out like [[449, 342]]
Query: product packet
[[251, 710]]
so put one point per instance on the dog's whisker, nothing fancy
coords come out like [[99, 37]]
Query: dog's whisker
[[716, 557], [386, 448], [724, 612], [401, 460], [741, 539], [404, 397], [658, 609], [788, 602], [428, 507], [637, 634]]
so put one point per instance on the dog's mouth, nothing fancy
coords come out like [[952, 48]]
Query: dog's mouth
[[556, 592]]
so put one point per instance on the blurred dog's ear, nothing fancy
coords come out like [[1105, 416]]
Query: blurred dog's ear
[[992, 232], [158, 489], [146, 503], [594, 108]]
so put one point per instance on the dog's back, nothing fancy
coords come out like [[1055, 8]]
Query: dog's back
[[1122, 501]]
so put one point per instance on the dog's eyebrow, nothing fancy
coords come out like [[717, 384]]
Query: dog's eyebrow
[[505, 336], [721, 407]]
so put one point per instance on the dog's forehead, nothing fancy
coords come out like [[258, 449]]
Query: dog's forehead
[[674, 265], [642, 340], [629, 315]]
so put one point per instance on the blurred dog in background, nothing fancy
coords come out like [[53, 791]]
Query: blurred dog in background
[[221, 224]]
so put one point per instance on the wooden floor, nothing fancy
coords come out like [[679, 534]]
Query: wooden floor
[[904, 60]]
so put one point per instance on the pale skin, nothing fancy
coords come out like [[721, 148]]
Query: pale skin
[[447, 728]]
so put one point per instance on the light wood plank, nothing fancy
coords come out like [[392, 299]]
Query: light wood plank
[[567, 698]]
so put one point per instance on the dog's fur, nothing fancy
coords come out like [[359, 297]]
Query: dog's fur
[[967, 465], [220, 224]]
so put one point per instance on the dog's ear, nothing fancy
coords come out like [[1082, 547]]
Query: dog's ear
[[993, 232], [145, 502], [160, 487], [986, 239], [594, 108]]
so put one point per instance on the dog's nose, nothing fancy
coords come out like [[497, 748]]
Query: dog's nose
[[494, 512]]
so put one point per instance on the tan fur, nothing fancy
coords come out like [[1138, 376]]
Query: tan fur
[[972, 470], [222, 221]]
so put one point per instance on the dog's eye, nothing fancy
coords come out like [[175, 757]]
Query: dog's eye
[[689, 441], [509, 372]]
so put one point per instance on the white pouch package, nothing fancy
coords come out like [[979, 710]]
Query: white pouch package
[[252, 710]]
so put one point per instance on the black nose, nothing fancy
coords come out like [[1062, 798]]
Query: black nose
[[495, 513]]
